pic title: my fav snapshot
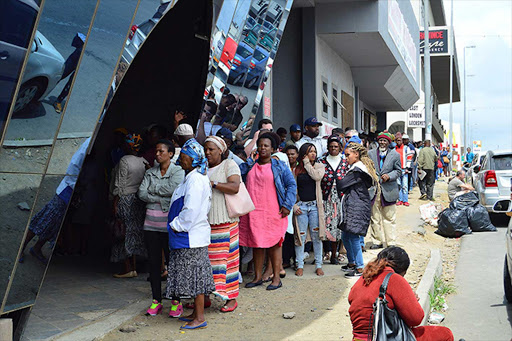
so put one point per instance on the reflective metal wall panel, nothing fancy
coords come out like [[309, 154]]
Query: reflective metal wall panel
[[46, 82], [17, 19], [17, 196], [49, 212]]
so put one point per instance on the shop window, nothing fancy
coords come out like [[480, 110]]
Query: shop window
[[325, 100]]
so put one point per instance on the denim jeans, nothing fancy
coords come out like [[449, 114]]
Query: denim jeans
[[361, 240], [352, 243], [308, 220], [403, 187]]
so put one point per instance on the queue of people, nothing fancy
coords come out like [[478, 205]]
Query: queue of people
[[309, 194]]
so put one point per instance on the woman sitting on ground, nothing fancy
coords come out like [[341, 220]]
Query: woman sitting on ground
[[273, 190], [309, 209], [190, 272], [399, 295]]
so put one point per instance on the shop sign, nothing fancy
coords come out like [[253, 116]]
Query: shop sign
[[477, 146], [438, 40], [266, 111], [416, 116]]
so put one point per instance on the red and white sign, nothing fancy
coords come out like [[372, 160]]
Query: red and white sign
[[266, 107]]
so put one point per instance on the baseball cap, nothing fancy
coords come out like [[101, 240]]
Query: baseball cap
[[184, 129], [405, 137], [225, 133], [295, 127], [312, 121]]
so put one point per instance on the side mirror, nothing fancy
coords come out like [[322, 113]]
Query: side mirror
[[477, 169], [502, 206]]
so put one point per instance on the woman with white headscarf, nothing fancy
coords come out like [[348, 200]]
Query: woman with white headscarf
[[223, 251]]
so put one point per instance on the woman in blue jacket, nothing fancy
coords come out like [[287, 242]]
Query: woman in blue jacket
[[273, 190]]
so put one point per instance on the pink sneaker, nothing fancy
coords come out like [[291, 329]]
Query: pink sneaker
[[176, 309], [155, 308], [399, 203], [406, 204]]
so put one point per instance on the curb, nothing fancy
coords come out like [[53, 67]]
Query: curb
[[434, 269], [46, 142], [96, 330]]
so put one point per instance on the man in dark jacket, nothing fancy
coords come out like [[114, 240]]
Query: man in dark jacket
[[388, 167]]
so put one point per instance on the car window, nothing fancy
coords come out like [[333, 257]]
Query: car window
[[484, 164], [146, 26], [16, 27], [502, 162], [482, 158], [243, 52], [259, 56]]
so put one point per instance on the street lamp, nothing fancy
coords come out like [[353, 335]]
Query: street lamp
[[465, 95]]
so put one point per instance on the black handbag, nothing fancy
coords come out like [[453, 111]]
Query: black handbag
[[385, 323]]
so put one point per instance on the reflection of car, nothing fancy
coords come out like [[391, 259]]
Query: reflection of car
[[42, 73], [477, 161], [256, 67], [228, 52], [252, 36], [492, 181], [138, 34], [249, 24], [240, 63], [17, 18], [267, 41]]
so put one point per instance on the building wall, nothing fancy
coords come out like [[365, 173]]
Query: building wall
[[287, 75], [333, 70]]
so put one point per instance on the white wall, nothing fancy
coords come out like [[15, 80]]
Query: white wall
[[331, 67]]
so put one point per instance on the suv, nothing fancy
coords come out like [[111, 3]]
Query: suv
[[492, 180]]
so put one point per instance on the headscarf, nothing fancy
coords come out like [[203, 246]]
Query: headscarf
[[134, 141], [193, 149], [219, 142], [385, 135]]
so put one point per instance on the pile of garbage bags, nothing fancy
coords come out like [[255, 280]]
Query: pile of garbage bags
[[465, 215]]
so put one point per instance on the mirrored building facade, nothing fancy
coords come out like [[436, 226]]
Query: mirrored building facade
[[75, 76]]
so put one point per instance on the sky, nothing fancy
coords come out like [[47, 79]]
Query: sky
[[487, 25]]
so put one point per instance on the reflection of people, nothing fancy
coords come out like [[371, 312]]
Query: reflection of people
[[69, 69], [189, 235], [273, 190], [456, 186], [46, 223], [156, 190], [128, 208], [224, 176], [235, 117], [209, 122], [392, 261]]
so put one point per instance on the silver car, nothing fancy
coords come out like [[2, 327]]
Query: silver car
[[492, 181]]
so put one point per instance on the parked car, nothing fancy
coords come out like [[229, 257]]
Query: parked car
[[492, 181], [138, 34], [43, 71], [240, 63], [256, 67], [505, 206], [477, 161]]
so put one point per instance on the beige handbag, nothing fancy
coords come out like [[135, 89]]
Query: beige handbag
[[239, 204]]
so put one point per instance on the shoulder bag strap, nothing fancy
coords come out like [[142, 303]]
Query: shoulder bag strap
[[384, 286]]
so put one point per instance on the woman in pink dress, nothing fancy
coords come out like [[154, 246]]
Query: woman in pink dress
[[273, 190]]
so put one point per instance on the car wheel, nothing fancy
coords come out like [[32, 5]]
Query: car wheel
[[507, 282], [238, 78], [29, 92], [252, 82]]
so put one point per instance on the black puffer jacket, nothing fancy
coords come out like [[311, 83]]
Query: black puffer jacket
[[357, 206]]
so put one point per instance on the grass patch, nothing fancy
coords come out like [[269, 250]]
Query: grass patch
[[438, 295]]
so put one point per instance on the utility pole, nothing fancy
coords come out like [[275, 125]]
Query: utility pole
[[426, 72], [452, 51], [465, 96]]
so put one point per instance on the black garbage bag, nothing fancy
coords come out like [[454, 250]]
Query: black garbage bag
[[479, 219], [453, 223], [465, 200]]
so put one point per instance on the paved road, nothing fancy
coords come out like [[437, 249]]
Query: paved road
[[479, 310], [60, 21]]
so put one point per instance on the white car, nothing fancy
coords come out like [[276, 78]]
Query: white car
[[135, 39], [492, 182], [43, 71]]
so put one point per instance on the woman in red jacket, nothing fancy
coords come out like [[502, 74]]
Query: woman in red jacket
[[399, 295]]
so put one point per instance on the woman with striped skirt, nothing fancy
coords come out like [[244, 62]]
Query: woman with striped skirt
[[223, 251]]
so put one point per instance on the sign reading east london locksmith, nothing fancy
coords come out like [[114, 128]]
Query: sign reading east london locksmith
[[416, 116], [438, 40]]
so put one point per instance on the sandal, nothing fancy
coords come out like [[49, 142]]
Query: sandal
[[226, 309]]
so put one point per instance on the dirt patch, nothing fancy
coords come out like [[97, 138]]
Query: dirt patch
[[320, 304]]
